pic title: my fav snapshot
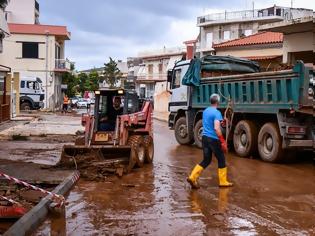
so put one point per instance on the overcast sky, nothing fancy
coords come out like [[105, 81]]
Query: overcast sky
[[121, 28]]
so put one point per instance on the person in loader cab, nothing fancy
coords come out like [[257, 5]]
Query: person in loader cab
[[212, 142], [107, 122]]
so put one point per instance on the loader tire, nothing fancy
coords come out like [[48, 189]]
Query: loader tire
[[137, 149], [148, 149]]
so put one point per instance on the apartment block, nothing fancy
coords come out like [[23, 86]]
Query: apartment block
[[36, 50], [221, 27]]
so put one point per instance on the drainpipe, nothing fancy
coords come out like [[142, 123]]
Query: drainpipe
[[46, 69]]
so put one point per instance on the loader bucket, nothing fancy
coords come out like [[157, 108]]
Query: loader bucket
[[97, 161]]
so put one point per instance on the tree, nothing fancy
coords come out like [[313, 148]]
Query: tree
[[3, 4], [83, 81], [93, 80], [111, 74], [72, 83]]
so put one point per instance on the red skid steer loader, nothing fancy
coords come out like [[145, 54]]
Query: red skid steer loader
[[117, 137]]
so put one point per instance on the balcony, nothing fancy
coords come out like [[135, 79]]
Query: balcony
[[154, 77], [62, 65], [246, 15]]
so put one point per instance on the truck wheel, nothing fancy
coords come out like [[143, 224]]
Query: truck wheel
[[245, 138], [137, 145], [198, 133], [26, 106], [148, 149], [270, 143], [181, 132]]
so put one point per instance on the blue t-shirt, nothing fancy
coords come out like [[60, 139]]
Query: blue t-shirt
[[209, 116]]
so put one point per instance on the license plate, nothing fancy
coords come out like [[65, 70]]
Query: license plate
[[101, 137]]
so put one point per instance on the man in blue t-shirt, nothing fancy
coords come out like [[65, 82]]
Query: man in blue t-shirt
[[212, 142]]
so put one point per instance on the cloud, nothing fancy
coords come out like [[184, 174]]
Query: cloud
[[121, 28]]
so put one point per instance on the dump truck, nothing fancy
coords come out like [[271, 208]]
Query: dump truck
[[267, 113], [118, 135]]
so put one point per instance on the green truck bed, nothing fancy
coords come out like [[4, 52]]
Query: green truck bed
[[262, 92]]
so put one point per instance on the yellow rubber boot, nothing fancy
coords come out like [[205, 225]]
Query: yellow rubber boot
[[193, 178], [223, 182]]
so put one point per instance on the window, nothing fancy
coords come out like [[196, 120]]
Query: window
[[177, 78], [30, 85], [248, 32], [29, 50], [220, 32], [22, 84], [57, 52], [160, 68], [150, 69], [2, 90], [103, 105], [209, 39], [226, 35]]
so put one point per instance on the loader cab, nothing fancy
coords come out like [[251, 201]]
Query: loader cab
[[110, 103]]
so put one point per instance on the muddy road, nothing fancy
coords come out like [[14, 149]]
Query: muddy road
[[267, 199]]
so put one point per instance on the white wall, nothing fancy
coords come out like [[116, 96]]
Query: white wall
[[297, 42], [33, 67], [21, 11]]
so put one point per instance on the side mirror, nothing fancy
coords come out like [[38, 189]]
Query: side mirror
[[169, 76]]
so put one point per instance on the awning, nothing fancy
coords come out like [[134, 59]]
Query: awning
[[3, 23], [172, 61]]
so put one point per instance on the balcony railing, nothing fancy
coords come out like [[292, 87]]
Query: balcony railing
[[63, 64], [154, 76], [241, 15]]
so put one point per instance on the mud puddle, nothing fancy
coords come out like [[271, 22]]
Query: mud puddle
[[267, 199]]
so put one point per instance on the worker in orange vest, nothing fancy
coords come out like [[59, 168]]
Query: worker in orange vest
[[65, 104]]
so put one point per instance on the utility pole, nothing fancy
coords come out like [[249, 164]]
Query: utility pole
[[46, 69]]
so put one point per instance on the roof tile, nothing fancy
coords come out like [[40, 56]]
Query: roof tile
[[259, 38]]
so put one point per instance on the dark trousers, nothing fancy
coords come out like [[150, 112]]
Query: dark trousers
[[210, 146], [65, 107]]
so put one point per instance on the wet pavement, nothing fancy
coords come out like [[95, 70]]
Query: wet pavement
[[267, 199]]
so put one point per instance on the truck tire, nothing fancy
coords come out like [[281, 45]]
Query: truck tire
[[137, 149], [148, 149], [270, 143], [198, 133], [245, 138], [181, 132], [26, 106]]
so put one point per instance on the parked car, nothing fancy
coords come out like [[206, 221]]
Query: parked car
[[74, 101], [82, 103]]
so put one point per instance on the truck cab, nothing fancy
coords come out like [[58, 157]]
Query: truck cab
[[31, 93]]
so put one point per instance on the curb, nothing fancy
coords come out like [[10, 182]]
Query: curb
[[33, 219]]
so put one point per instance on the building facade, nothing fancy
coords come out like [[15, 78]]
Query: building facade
[[36, 50], [298, 39], [263, 47], [221, 27], [152, 73], [23, 11]]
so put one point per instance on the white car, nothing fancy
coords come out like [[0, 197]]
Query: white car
[[82, 103]]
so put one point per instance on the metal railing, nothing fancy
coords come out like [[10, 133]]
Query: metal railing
[[236, 15], [62, 64]]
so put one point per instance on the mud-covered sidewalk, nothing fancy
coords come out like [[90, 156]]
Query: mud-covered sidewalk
[[27, 145], [267, 199]]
